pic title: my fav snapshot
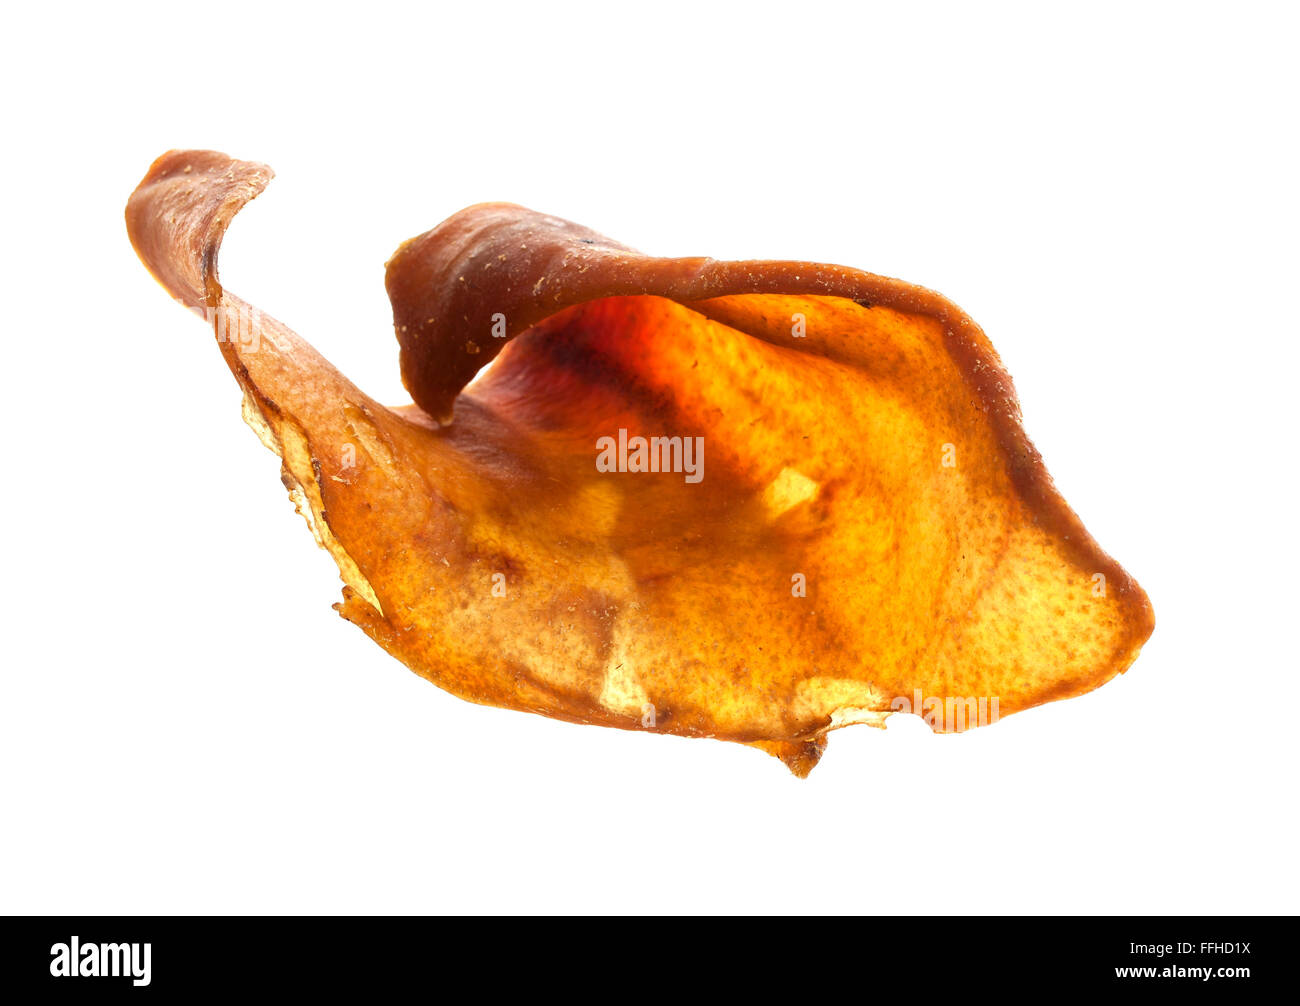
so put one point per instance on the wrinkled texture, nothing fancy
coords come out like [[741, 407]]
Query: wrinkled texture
[[872, 524]]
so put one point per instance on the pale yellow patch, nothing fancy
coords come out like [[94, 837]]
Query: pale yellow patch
[[788, 489], [622, 692], [845, 701], [298, 475]]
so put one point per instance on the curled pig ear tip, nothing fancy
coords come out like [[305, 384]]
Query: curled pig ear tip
[[189, 196], [752, 501]]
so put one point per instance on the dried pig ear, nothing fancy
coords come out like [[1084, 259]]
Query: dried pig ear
[[752, 501]]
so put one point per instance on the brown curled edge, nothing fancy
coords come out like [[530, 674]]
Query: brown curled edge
[[870, 532]]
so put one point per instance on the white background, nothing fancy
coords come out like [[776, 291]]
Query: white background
[[186, 726]]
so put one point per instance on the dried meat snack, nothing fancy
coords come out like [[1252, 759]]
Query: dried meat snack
[[750, 501]]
